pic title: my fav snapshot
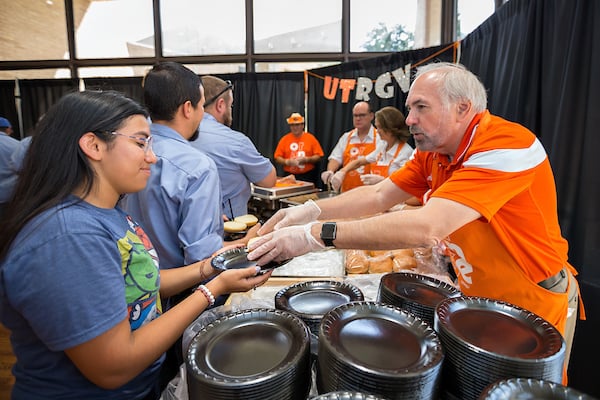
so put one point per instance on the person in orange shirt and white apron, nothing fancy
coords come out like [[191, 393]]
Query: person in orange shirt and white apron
[[390, 154], [360, 141]]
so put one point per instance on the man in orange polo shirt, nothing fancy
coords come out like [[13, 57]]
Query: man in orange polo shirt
[[489, 203], [299, 151]]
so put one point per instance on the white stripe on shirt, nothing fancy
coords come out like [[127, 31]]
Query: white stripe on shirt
[[509, 160]]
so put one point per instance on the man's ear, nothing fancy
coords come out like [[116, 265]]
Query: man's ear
[[463, 109], [92, 146]]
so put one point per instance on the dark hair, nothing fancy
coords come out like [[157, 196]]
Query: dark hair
[[54, 165], [167, 86], [392, 120]]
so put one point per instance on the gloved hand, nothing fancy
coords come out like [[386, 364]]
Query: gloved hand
[[337, 179], [284, 244], [371, 179], [296, 215], [326, 176]]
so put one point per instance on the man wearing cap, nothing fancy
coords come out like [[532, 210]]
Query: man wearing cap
[[299, 151], [8, 177]]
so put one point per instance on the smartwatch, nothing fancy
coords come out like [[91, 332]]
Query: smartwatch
[[328, 232]]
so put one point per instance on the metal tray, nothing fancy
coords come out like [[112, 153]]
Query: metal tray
[[273, 193]]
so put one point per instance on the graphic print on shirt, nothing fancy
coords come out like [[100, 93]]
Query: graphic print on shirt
[[297, 150], [462, 267], [139, 266]]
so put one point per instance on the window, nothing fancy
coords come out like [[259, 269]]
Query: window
[[382, 25], [307, 26], [113, 28], [33, 30], [194, 28], [470, 14]]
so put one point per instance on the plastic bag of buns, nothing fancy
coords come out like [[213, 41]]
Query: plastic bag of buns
[[357, 262], [381, 264]]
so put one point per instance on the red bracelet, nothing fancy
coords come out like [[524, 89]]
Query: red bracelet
[[206, 292]]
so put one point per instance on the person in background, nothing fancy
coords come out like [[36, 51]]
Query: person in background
[[299, 151], [360, 141], [238, 161], [81, 287], [390, 155], [5, 126], [489, 204], [8, 145]]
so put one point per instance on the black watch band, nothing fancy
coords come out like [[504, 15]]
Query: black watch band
[[328, 233]]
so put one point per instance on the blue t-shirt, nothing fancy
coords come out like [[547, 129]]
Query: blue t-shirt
[[74, 272], [238, 161]]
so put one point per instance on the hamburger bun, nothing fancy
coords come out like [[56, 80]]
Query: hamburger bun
[[381, 264], [248, 219], [403, 263], [234, 226], [252, 240]]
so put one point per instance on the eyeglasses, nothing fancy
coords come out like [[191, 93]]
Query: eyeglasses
[[214, 98], [359, 115], [145, 142]]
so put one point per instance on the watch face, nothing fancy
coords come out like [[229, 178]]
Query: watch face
[[328, 231]]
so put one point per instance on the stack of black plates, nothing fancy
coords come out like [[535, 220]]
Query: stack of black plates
[[419, 294], [522, 388], [347, 396], [260, 354], [380, 349], [488, 340], [311, 300]]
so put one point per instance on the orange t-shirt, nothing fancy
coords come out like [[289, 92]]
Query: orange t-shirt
[[292, 146], [501, 170]]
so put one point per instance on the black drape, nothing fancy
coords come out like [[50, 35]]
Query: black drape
[[329, 119], [37, 95], [540, 61], [130, 86], [261, 104], [8, 108]]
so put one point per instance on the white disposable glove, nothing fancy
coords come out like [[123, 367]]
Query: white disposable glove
[[284, 244], [296, 215], [371, 179], [326, 176], [337, 179]]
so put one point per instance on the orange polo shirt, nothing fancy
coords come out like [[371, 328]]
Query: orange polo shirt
[[501, 170]]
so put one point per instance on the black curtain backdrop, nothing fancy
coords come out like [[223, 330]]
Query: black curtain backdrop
[[540, 61], [131, 86], [8, 108], [37, 95], [261, 104]]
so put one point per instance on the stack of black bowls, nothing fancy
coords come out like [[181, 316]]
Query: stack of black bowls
[[256, 354], [524, 388], [311, 300], [380, 349], [488, 340], [419, 294]]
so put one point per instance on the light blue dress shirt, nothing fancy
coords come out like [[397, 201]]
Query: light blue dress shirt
[[180, 208], [238, 161], [8, 176]]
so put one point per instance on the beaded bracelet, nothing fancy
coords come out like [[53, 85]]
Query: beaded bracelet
[[206, 292]]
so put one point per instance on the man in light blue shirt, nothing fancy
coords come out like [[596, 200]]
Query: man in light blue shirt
[[8, 176], [180, 208], [238, 161]]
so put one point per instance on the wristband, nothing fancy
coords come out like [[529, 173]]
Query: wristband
[[207, 293]]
